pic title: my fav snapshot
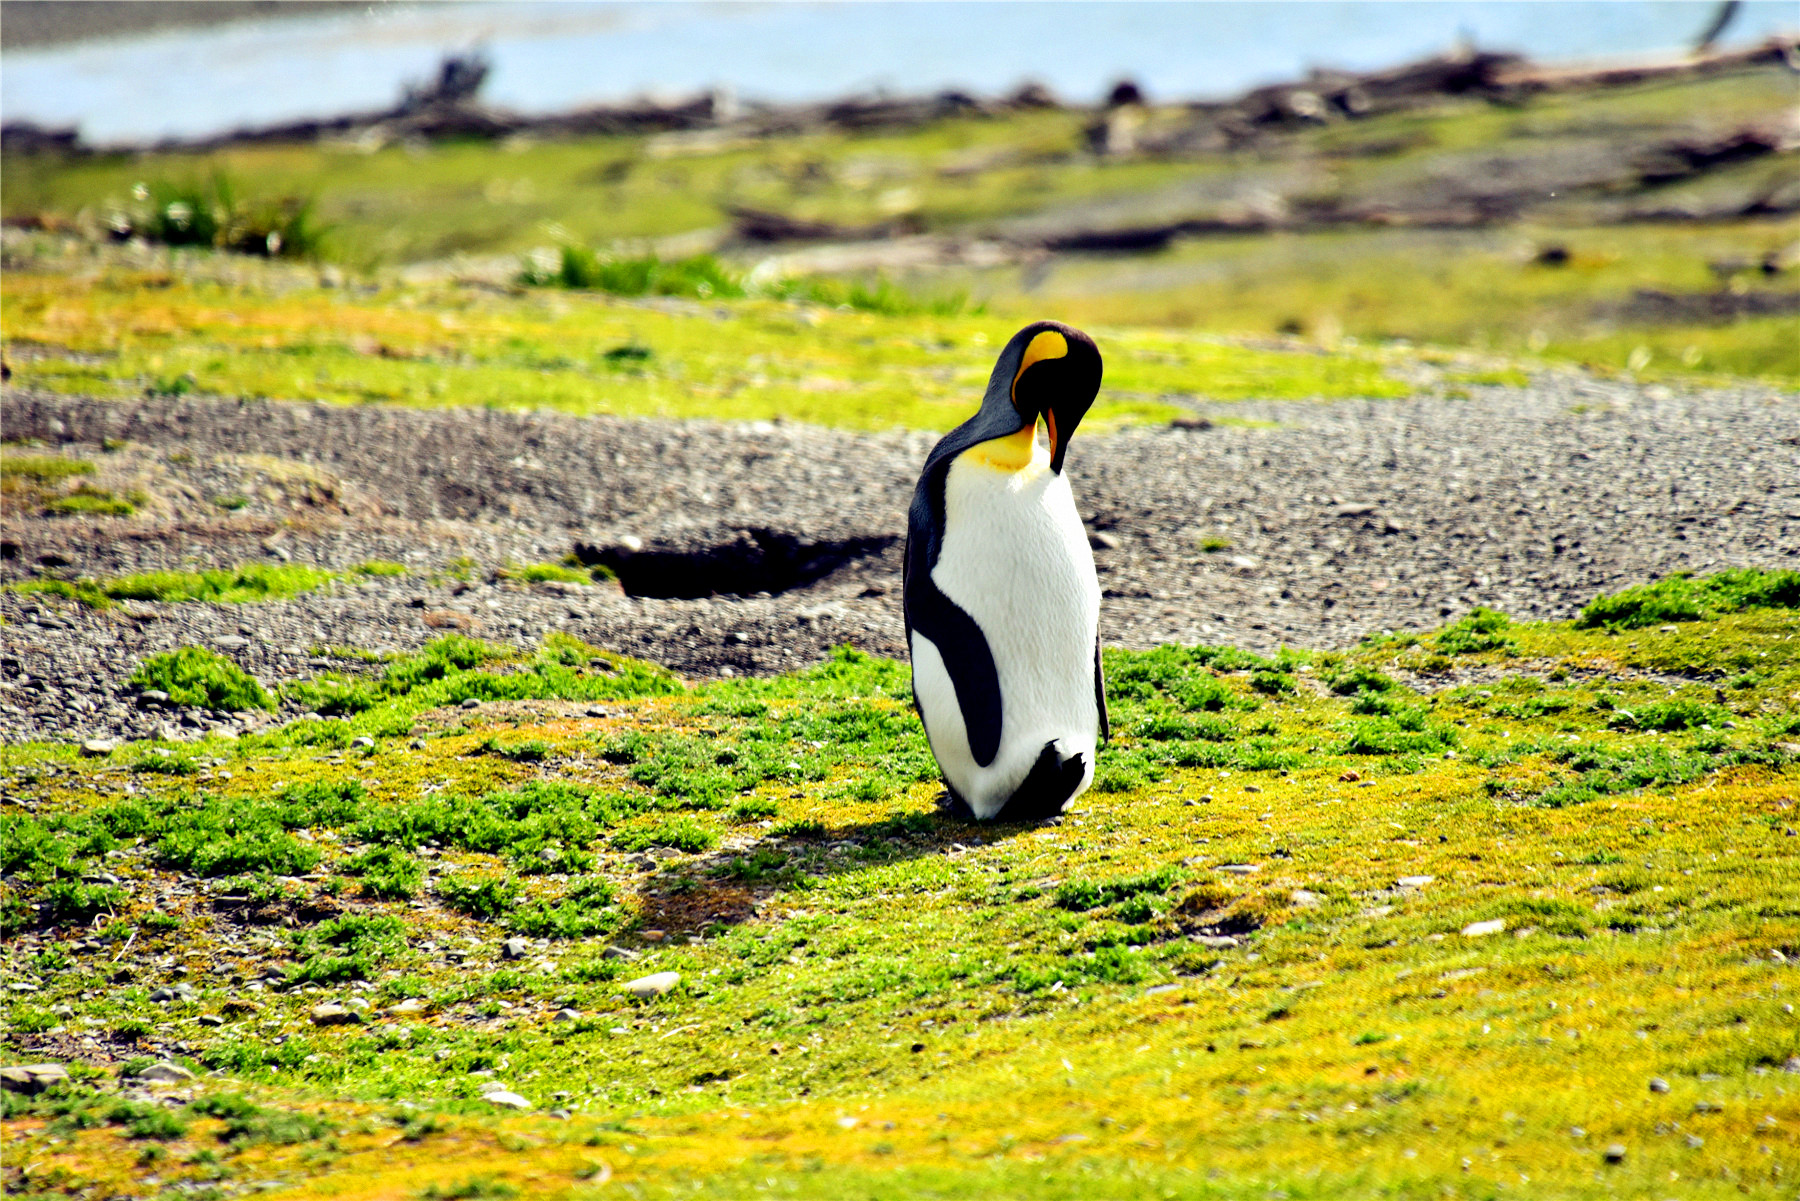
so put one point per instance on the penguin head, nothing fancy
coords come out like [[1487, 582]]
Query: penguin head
[[1047, 371]]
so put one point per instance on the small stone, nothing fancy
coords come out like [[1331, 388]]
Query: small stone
[[1415, 881], [1101, 541], [1791, 1064], [231, 642], [847, 1123], [1478, 929], [333, 1014], [98, 746], [165, 1072], [153, 696], [562, 1115], [1216, 942], [1350, 777], [1306, 899], [364, 741], [1658, 1084], [406, 1008], [1708, 1107], [515, 948], [162, 996], [619, 953], [1695, 1142], [32, 1078], [1354, 510], [471, 703], [1615, 1153], [1240, 869], [211, 1019], [654, 985], [567, 1015], [655, 935], [506, 1099]]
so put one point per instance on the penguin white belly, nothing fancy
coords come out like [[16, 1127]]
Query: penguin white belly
[[1015, 558]]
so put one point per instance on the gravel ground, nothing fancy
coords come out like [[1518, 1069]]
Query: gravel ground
[[1341, 520]]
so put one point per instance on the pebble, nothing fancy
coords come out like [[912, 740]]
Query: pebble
[[1658, 1084], [1615, 1153], [32, 1077], [567, 1015], [654, 985], [333, 1014], [506, 1099], [1478, 929], [164, 1072], [363, 741], [406, 1008], [515, 948], [1415, 881], [99, 746], [471, 703], [1240, 869]]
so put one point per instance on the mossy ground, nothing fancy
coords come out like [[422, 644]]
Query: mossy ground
[[1485, 289], [126, 332], [878, 1001]]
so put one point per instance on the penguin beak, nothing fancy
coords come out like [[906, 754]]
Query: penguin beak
[[1058, 442]]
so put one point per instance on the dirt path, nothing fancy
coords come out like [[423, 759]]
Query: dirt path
[[1341, 520]]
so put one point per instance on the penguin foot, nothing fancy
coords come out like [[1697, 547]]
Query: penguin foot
[[951, 805], [1046, 788]]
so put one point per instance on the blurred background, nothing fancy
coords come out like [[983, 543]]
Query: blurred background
[[1612, 184]]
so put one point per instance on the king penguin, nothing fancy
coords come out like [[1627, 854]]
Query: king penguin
[[1001, 601]]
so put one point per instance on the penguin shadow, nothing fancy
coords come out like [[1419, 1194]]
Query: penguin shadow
[[709, 893]]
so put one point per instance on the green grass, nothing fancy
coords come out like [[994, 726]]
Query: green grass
[[1004, 987], [248, 584], [202, 678], [1682, 597]]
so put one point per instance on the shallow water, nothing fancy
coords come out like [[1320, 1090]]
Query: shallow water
[[553, 56]]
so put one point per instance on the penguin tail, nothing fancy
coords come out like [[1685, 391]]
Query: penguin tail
[[1046, 788]]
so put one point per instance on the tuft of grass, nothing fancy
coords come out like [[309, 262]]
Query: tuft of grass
[[201, 678], [1685, 597], [586, 909], [486, 897], [90, 502], [681, 833], [42, 470], [537, 573], [247, 584], [212, 215], [702, 276], [380, 567], [387, 873], [1481, 631]]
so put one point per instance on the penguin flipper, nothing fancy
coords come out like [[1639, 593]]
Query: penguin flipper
[[1045, 789], [1100, 695], [968, 660]]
